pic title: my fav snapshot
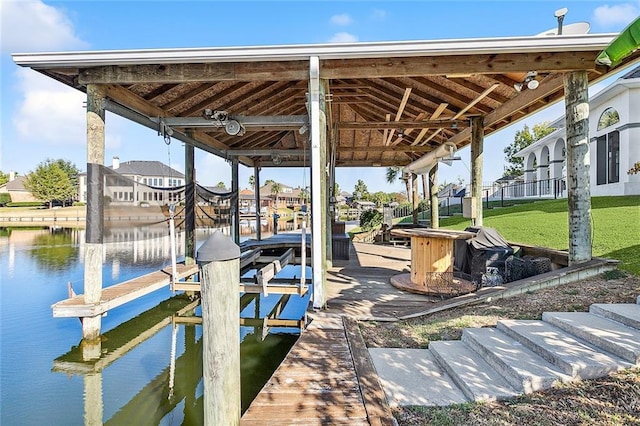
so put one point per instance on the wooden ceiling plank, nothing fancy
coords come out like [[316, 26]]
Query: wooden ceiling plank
[[458, 95], [380, 93], [209, 102], [187, 96]]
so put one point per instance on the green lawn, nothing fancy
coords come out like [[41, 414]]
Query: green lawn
[[615, 226]]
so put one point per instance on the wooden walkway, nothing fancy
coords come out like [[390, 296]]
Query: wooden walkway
[[120, 294], [328, 378]]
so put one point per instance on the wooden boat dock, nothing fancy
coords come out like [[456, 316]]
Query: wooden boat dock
[[328, 377]]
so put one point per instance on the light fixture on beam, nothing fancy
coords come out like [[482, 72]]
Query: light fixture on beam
[[277, 159], [529, 82]]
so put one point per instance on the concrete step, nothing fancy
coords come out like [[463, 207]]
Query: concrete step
[[625, 313], [604, 333], [477, 379], [413, 377], [572, 356], [523, 369]]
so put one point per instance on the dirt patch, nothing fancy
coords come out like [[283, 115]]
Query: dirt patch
[[612, 287], [612, 400]]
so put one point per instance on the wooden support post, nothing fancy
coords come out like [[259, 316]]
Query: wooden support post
[[433, 197], [414, 198], [219, 258], [235, 200], [93, 405], [190, 205], [477, 142], [95, 207], [578, 189], [318, 125], [256, 178]]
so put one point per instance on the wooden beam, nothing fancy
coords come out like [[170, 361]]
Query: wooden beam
[[459, 64], [437, 113], [133, 101], [547, 88], [182, 73], [408, 131], [403, 103], [396, 148], [413, 124], [476, 100], [341, 68]]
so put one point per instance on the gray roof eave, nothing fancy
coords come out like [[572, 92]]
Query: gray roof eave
[[447, 47]]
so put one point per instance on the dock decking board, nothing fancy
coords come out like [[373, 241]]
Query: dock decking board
[[316, 384]]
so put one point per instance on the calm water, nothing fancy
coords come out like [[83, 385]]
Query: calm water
[[44, 379]]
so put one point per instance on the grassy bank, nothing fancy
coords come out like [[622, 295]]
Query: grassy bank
[[615, 227]]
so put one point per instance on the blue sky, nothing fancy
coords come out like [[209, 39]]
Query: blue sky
[[42, 119]]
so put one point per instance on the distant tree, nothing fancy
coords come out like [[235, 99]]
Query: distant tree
[[276, 188], [394, 173], [380, 198], [221, 185], [336, 189], [4, 177], [635, 169], [304, 194], [269, 181], [522, 139], [252, 182], [53, 180], [361, 190]]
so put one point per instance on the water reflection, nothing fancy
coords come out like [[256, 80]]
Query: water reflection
[[174, 394], [129, 374]]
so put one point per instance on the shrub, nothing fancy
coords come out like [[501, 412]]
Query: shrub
[[78, 203], [25, 204], [370, 219], [5, 199]]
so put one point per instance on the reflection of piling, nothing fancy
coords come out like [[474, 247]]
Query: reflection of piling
[[219, 258]]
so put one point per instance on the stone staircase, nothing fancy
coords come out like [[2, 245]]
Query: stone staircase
[[517, 356]]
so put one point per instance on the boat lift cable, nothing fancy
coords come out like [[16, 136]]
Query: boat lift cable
[[303, 223], [166, 132]]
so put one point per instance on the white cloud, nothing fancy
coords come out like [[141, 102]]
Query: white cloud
[[617, 15], [49, 111], [343, 19], [343, 37], [35, 26], [378, 15]]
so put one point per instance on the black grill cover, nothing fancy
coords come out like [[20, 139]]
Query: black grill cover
[[487, 248]]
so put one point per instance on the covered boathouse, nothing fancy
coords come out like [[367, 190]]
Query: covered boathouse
[[334, 105]]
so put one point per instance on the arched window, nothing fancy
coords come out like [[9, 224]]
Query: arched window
[[608, 118]]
